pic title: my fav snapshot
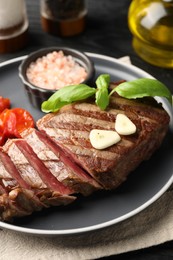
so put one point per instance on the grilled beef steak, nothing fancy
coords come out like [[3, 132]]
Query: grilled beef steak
[[46, 167], [70, 128]]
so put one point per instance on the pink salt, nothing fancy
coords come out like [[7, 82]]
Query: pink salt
[[55, 70]]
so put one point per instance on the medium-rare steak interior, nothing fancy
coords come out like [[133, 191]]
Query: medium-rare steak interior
[[51, 165]]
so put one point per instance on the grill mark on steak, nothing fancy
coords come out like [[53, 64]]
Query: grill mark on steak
[[146, 108], [92, 111], [60, 166], [83, 123]]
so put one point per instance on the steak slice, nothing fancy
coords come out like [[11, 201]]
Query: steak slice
[[32, 170], [16, 197], [70, 128], [59, 165]]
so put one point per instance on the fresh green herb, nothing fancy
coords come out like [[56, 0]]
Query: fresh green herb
[[138, 88], [67, 95], [102, 98], [102, 95], [142, 87], [103, 81]]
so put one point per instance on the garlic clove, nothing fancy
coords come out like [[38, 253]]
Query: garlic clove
[[124, 126], [101, 139]]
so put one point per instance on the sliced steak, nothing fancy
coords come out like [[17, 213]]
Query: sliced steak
[[32, 170], [71, 175], [70, 128], [16, 196]]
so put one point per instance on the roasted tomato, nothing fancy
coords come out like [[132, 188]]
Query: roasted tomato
[[4, 103], [24, 119], [13, 122]]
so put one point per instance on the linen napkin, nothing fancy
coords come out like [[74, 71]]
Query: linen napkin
[[150, 227]]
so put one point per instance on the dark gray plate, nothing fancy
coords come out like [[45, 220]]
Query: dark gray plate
[[144, 186]]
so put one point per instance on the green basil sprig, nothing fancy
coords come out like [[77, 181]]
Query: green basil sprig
[[67, 95], [138, 88], [102, 95], [143, 87]]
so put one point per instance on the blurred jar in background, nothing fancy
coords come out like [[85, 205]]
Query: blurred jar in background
[[151, 23], [63, 17], [13, 25]]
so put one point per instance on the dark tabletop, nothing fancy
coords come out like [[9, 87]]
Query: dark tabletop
[[106, 33]]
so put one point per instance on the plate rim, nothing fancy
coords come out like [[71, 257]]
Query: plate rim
[[76, 231]]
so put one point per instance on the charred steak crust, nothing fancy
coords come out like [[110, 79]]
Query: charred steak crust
[[70, 128]]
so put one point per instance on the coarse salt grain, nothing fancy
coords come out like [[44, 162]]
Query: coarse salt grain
[[55, 70]]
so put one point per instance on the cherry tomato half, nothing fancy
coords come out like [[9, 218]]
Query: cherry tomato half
[[4, 103], [13, 122], [24, 119]]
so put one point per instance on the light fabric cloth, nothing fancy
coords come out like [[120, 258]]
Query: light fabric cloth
[[152, 226]]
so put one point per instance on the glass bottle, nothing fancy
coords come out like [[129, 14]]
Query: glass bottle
[[63, 17], [13, 25], [151, 23]]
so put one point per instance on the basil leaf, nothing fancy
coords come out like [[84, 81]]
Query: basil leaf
[[102, 98], [103, 81], [53, 106], [142, 87], [67, 95]]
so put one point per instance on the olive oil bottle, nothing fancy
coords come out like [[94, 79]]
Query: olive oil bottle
[[151, 24]]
